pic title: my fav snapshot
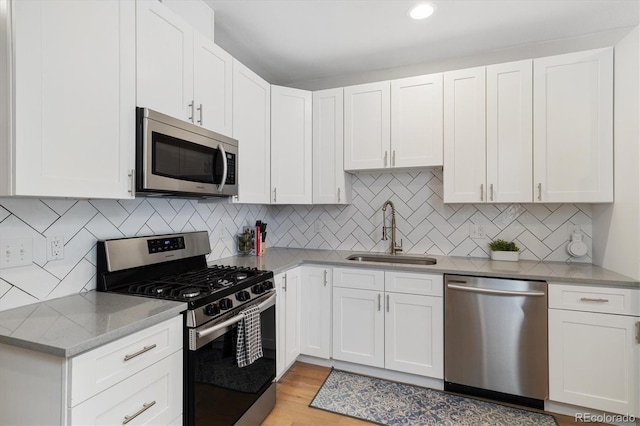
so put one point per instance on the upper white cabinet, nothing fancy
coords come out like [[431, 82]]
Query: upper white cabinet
[[464, 171], [331, 185], [252, 129], [488, 138], [573, 127], [291, 146], [394, 124], [367, 122], [416, 121], [181, 72], [196, 13], [72, 99]]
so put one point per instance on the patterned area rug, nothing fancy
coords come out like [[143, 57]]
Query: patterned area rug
[[389, 403]]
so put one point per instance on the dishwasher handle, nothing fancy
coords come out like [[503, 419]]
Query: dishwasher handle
[[495, 292]]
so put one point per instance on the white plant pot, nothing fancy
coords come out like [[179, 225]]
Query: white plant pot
[[511, 256]]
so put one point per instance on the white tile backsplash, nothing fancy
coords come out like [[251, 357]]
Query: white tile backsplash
[[425, 224]]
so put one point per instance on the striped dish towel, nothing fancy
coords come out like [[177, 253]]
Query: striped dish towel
[[249, 345]]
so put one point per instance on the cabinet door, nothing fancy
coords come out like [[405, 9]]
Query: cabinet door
[[212, 85], [509, 132], [593, 360], [164, 44], [367, 135], [329, 178], [464, 136], [358, 326], [252, 129], [315, 312], [573, 127], [414, 339], [291, 146], [416, 121], [292, 317], [74, 87]]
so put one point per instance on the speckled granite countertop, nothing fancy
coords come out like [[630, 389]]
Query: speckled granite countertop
[[74, 324], [279, 260]]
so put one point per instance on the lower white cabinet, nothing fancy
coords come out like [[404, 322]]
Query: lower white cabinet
[[398, 326], [287, 318], [594, 355], [138, 377], [315, 311]]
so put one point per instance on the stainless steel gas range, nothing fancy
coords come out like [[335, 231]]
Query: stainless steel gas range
[[174, 267]]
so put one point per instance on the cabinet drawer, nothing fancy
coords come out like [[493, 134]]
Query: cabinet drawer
[[158, 387], [103, 367], [412, 283], [366, 279], [621, 301]]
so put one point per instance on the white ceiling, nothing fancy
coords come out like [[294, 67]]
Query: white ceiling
[[296, 41]]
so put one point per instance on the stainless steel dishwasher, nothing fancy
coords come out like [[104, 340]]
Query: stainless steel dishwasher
[[495, 339]]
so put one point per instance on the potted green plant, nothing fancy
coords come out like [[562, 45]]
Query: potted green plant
[[504, 250]]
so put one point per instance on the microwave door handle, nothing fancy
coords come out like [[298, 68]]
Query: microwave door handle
[[224, 167]]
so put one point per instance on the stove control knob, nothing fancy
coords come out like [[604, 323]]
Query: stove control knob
[[212, 309], [268, 285], [258, 288], [243, 295], [225, 304]]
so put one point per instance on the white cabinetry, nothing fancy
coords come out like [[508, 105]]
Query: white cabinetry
[[196, 13], [488, 139], [140, 373], [389, 320], [573, 127], [252, 129], [594, 347], [291, 146], [315, 311], [288, 318], [331, 185], [71, 129], [180, 72], [393, 124]]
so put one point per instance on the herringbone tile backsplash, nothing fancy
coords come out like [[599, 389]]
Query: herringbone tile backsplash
[[424, 223]]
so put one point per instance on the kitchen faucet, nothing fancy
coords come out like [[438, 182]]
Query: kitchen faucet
[[385, 229]]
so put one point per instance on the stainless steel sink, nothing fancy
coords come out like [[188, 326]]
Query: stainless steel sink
[[393, 258]]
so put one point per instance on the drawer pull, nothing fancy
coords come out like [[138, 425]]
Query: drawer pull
[[638, 332], [144, 408], [591, 299], [140, 352]]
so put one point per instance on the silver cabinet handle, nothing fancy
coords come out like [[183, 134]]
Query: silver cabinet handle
[[539, 192], [132, 181], [200, 109], [393, 158], [482, 192], [592, 299], [284, 283], [491, 191], [385, 158], [325, 277], [388, 303], [492, 291], [144, 408], [192, 106], [140, 352], [379, 301], [338, 194], [638, 332], [274, 195]]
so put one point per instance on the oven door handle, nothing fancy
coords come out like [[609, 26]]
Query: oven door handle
[[263, 306]]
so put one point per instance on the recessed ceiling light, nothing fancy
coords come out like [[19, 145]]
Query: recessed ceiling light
[[422, 11]]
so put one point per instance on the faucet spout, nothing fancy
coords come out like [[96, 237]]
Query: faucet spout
[[393, 249]]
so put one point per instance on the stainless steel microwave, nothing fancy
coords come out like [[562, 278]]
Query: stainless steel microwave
[[174, 157]]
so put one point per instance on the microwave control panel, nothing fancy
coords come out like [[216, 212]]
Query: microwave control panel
[[231, 169]]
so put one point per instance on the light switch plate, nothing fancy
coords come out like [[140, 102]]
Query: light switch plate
[[16, 252]]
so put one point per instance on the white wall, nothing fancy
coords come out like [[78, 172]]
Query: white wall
[[616, 227]]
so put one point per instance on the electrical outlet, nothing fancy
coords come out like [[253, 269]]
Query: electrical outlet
[[476, 231], [55, 248], [16, 252], [318, 225]]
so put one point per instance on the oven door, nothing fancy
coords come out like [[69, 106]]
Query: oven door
[[218, 392], [178, 157]]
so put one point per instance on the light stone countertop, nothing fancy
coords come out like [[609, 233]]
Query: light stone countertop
[[70, 325], [279, 259]]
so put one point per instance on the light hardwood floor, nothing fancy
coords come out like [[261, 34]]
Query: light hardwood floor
[[299, 385]]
